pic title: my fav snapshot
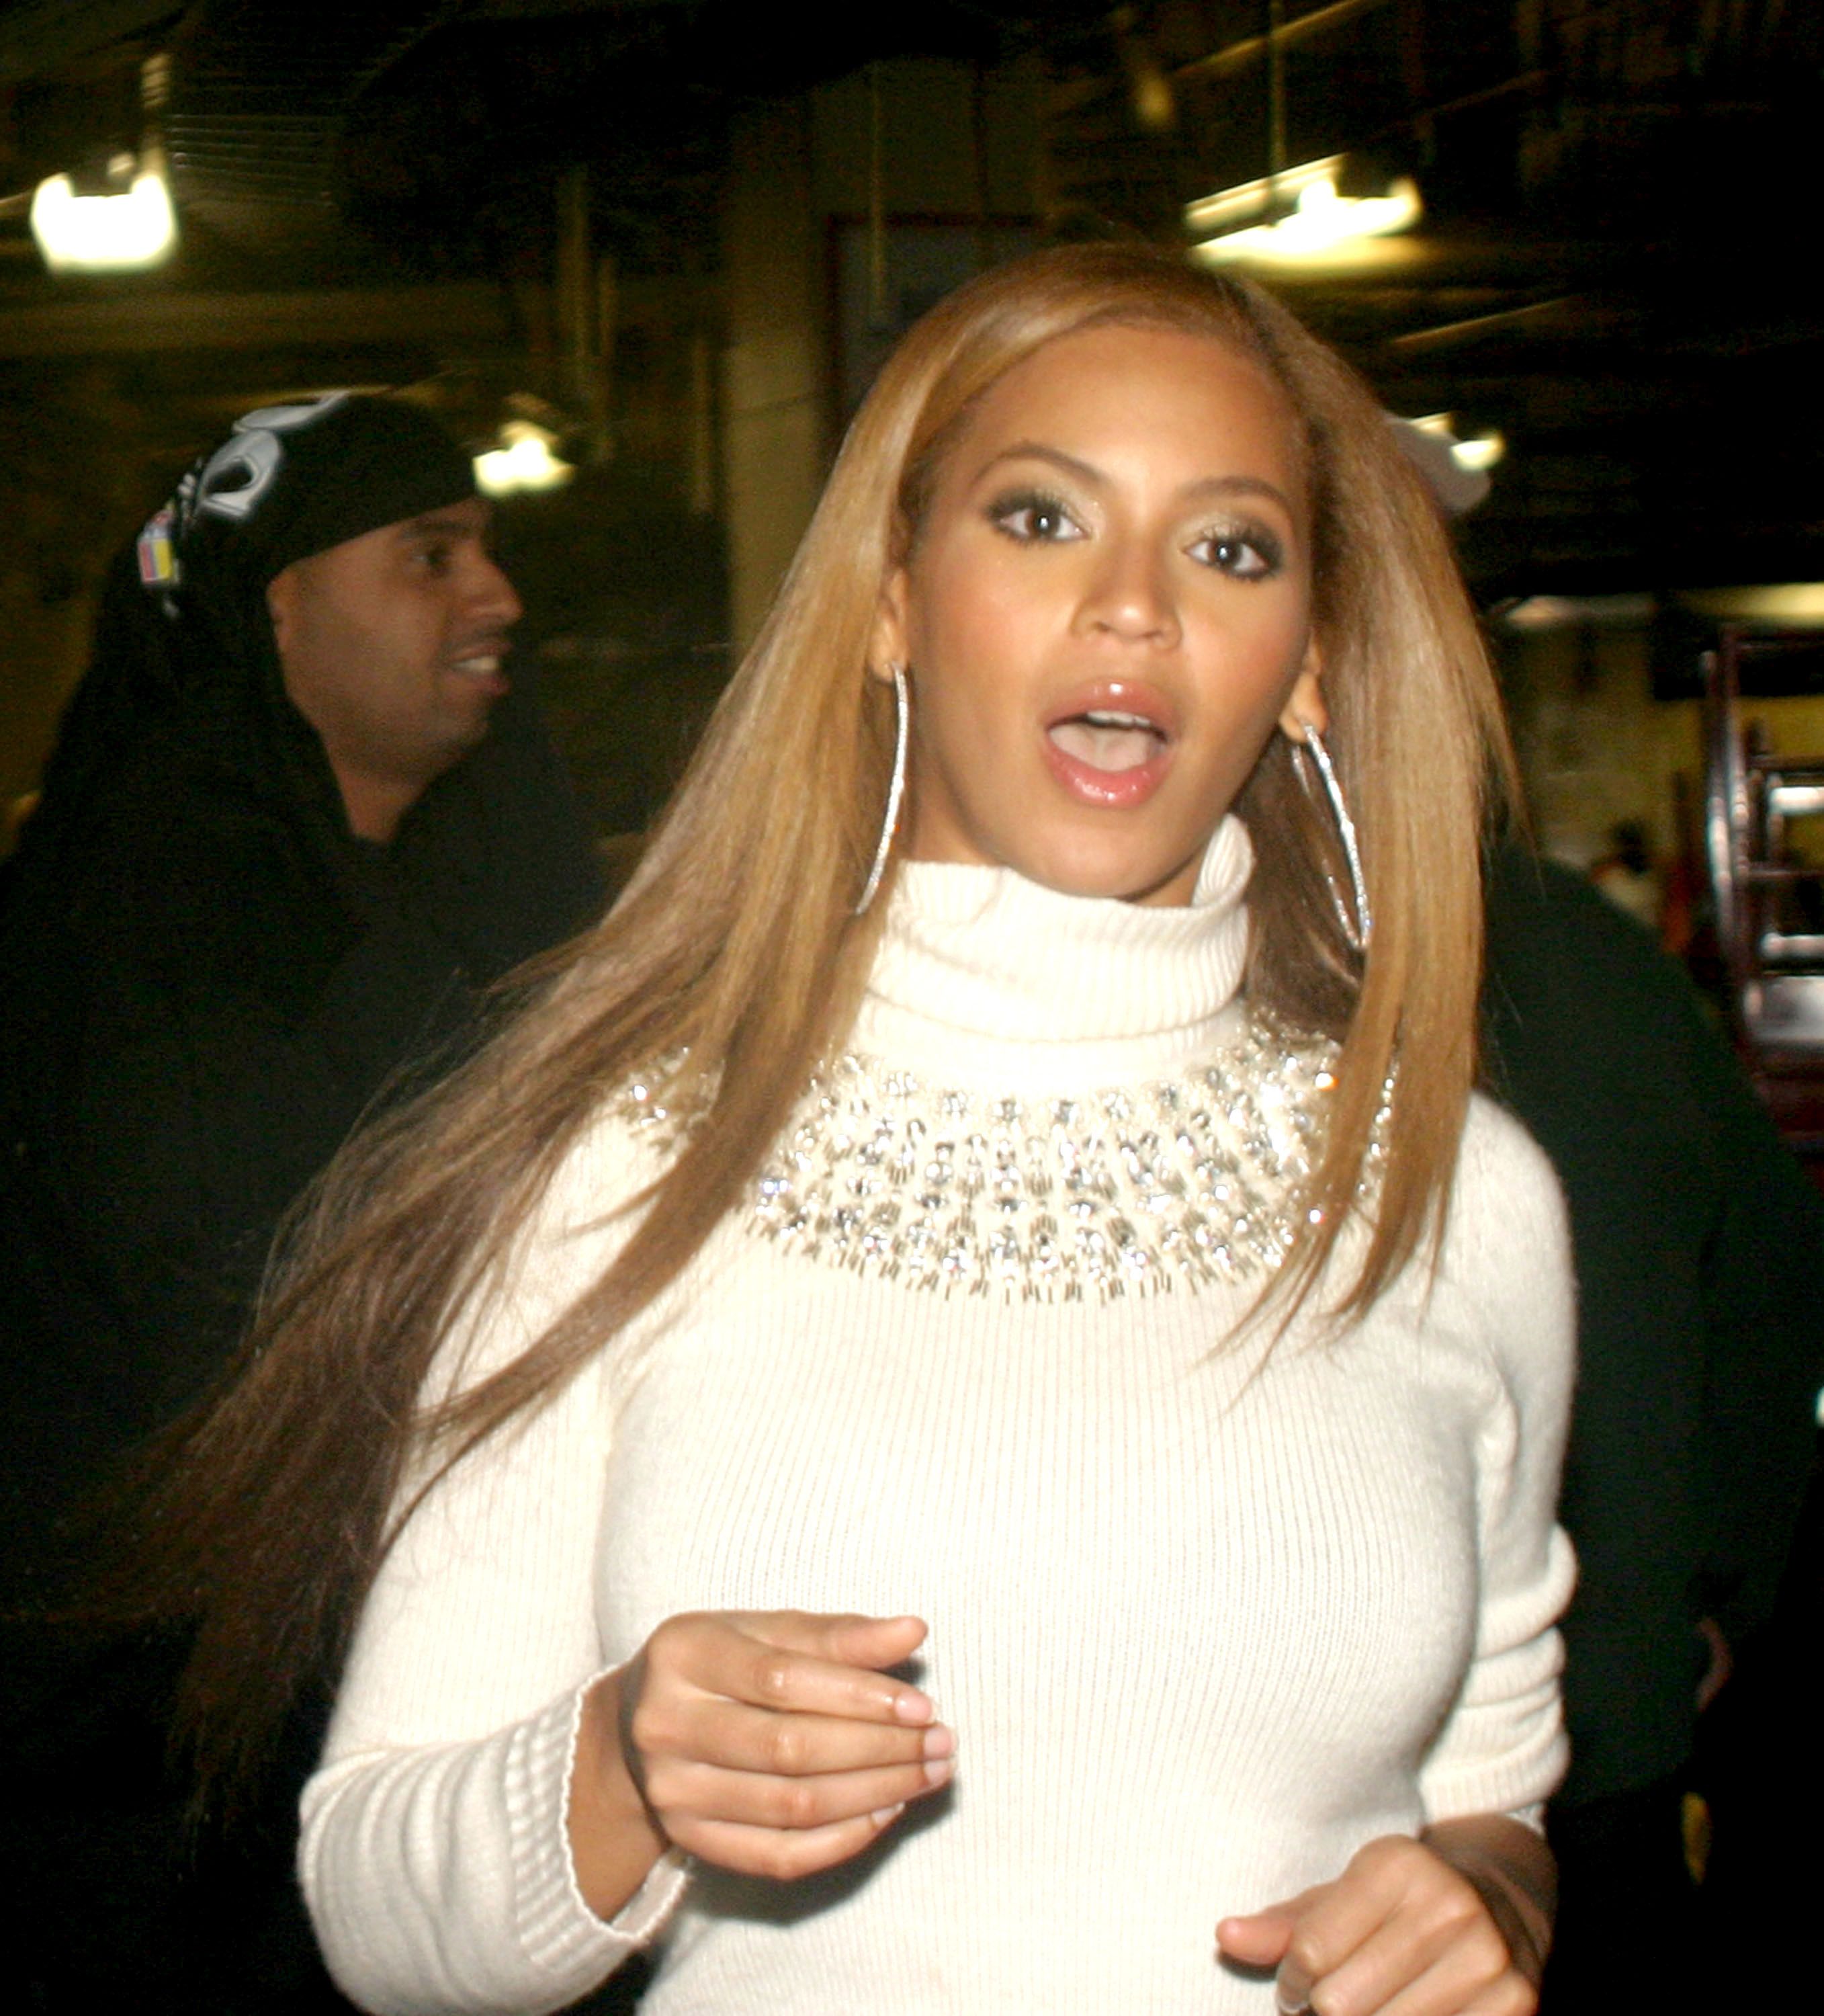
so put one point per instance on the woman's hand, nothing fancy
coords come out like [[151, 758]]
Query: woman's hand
[[771, 1742], [1456, 1924]]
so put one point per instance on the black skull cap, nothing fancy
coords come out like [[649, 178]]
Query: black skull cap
[[294, 480]]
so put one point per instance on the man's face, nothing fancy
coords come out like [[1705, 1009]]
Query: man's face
[[391, 646]]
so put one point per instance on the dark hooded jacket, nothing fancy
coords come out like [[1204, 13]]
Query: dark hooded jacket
[[206, 981], [206, 978]]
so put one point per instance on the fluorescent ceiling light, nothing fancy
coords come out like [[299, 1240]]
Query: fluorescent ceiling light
[[1560, 612], [104, 234], [1248, 203], [524, 462], [1455, 471], [1478, 453], [1784, 601], [1321, 221], [1797, 602]]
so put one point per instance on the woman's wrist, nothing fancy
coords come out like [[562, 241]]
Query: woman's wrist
[[615, 1840]]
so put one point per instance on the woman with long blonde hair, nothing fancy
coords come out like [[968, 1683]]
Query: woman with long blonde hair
[[962, 1410]]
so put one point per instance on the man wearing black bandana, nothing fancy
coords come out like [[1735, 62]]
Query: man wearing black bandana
[[298, 817]]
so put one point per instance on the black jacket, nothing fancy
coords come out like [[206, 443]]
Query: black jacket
[[205, 979], [1699, 1254]]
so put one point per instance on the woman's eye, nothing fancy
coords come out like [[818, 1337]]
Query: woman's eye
[[1252, 556], [1035, 518]]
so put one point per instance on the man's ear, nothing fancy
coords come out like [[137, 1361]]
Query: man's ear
[[1305, 705], [889, 641]]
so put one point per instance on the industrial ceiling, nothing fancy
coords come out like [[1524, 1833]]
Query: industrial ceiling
[[1612, 269]]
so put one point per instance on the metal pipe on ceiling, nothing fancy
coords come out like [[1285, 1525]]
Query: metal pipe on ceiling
[[1250, 50]]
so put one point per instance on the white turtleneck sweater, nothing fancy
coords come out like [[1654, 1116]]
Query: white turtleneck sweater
[[1202, 1628]]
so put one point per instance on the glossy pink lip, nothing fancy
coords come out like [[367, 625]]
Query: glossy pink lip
[[1113, 790]]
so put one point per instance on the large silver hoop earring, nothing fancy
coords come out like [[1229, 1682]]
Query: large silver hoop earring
[[895, 791], [1360, 928]]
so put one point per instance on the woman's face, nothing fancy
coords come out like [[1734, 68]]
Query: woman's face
[[1106, 610]]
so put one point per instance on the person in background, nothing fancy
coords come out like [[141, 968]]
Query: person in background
[[1699, 1253], [1626, 874], [298, 817]]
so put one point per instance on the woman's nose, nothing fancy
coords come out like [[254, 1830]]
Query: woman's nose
[[1129, 596]]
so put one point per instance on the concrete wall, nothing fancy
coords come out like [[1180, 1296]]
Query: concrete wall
[[797, 168], [773, 416]]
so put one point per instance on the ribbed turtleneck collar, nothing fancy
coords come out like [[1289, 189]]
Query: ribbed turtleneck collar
[[984, 978]]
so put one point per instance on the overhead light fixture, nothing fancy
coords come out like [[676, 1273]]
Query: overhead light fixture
[[1479, 452], [1299, 215], [1475, 452], [117, 218], [1455, 471], [524, 461], [1248, 202], [1784, 602], [1579, 612], [127, 226]]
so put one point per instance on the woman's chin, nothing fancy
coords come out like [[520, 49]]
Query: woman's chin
[[1122, 878]]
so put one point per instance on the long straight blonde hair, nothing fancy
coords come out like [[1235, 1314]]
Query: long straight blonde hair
[[736, 963]]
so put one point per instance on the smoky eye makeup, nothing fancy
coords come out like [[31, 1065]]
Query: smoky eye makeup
[[1033, 515], [1245, 549]]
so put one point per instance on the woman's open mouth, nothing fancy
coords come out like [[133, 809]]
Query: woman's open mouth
[[1106, 739], [1109, 756]]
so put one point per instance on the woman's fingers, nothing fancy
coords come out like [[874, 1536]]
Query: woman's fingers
[[749, 1798], [1400, 1933], [844, 1638], [1261, 1938], [740, 1738], [791, 1663], [827, 1666], [773, 1742], [1451, 1989], [1419, 1963], [780, 1854]]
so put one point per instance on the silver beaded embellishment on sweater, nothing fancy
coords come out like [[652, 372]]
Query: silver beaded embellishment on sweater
[[1199, 1179]]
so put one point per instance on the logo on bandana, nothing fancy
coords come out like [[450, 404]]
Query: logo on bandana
[[240, 472], [228, 485]]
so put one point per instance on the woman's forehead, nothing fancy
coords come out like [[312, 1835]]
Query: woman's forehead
[[1139, 394]]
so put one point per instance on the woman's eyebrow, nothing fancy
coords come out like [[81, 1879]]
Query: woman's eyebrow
[[1027, 451], [1209, 486], [1215, 487]]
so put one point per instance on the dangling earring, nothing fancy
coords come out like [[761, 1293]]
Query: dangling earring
[[1358, 929], [896, 791]]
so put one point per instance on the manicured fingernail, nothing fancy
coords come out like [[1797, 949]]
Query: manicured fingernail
[[915, 1708], [937, 1771], [885, 1815], [940, 1742], [1288, 2002]]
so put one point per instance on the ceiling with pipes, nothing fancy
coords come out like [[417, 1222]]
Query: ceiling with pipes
[[1611, 270]]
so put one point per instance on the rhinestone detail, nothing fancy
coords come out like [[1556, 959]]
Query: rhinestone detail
[[1199, 1180]]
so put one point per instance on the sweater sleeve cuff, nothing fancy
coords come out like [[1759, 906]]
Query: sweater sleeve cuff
[[561, 1935]]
